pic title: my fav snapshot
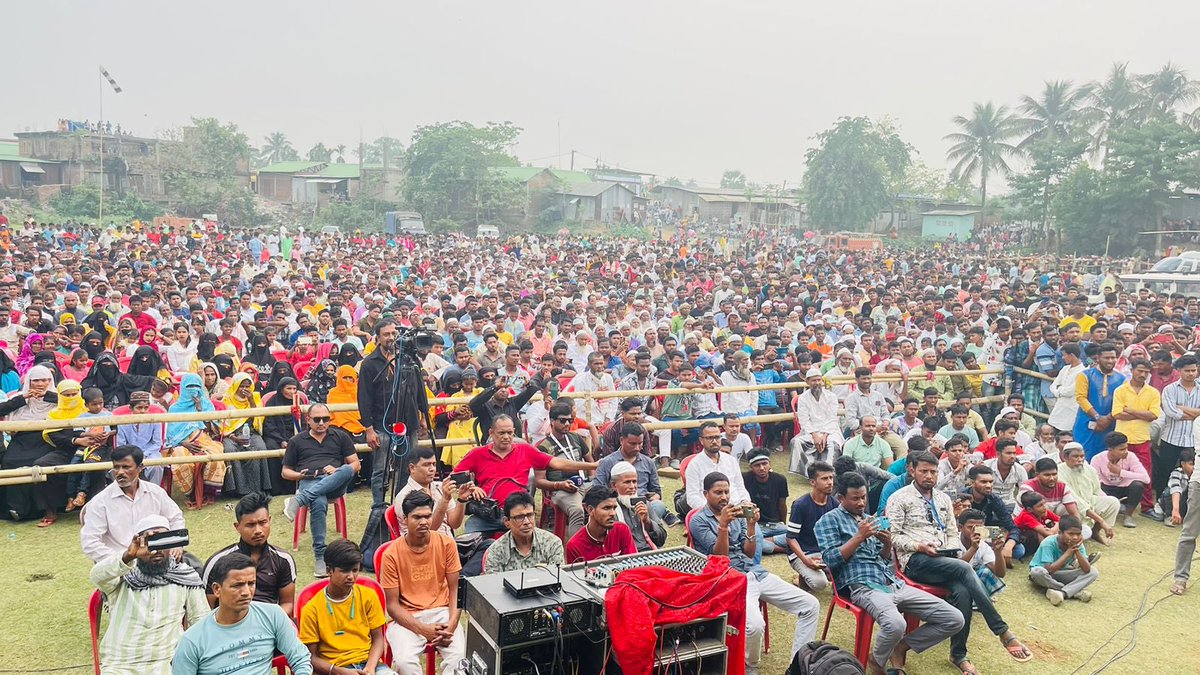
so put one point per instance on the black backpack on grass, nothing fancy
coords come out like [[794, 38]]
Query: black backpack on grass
[[823, 658]]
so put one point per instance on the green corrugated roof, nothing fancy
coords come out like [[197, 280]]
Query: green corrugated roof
[[288, 167], [10, 152], [571, 177], [518, 173], [338, 171], [10, 148]]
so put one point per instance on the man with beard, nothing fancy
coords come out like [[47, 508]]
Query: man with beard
[[149, 595], [374, 387], [109, 516]]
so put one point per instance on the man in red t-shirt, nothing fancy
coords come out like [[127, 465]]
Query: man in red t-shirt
[[603, 535], [502, 467]]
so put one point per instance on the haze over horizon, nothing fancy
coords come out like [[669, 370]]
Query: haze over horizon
[[670, 88]]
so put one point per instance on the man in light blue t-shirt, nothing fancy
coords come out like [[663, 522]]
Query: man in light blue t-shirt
[[241, 636]]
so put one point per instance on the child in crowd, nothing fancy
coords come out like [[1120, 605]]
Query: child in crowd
[[953, 467], [1035, 520], [79, 484], [148, 436], [982, 548], [1174, 502], [342, 626], [1061, 564]]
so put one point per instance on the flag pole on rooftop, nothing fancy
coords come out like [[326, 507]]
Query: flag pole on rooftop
[[100, 127]]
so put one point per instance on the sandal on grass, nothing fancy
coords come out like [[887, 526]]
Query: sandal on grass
[[47, 522], [1178, 588], [965, 666], [1018, 651]]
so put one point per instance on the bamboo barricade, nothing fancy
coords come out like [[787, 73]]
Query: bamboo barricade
[[28, 475]]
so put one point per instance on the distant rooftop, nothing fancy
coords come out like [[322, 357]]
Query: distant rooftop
[[290, 167]]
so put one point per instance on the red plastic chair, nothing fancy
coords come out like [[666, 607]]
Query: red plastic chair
[[430, 650], [393, 521], [936, 591], [864, 623], [94, 607], [310, 591], [683, 469], [560, 517], [339, 517], [280, 664]]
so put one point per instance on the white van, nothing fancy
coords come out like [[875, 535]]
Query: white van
[[489, 231]]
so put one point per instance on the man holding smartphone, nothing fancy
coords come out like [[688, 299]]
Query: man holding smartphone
[[323, 460], [857, 549]]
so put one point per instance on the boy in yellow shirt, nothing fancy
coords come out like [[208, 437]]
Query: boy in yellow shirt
[[342, 626]]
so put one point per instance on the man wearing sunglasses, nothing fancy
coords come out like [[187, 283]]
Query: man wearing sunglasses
[[323, 460]]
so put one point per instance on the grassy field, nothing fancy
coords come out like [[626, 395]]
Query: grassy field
[[43, 623]]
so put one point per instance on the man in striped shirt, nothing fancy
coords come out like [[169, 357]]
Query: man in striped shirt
[[149, 595], [1180, 407]]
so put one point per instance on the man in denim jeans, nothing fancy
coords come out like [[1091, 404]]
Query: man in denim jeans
[[323, 460]]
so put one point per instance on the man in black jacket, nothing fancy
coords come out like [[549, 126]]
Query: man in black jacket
[[498, 399], [374, 392]]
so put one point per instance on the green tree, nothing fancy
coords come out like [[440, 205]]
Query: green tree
[[319, 153], [1053, 115], [339, 153], [1055, 142], [1109, 105], [849, 175], [448, 176], [733, 180], [206, 169], [1150, 162], [1168, 88], [982, 146], [277, 148], [384, 150]]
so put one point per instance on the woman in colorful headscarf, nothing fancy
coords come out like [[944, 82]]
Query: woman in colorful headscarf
[[277, 430], [260, 356], [214, 385], [29, 448], [33, 344], [106, 376], [73, 444], [323, 379], [10, 381], [346, 391], [148, 337], [148, 362], [186, 439], [242, 434], [77, 367]]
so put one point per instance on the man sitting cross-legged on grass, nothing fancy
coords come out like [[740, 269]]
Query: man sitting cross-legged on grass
[[1061, 564], [858, 551], [342, 626]]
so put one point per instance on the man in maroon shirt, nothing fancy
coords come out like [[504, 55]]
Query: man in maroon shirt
[[603, 535], [502, 468], [139, 318]]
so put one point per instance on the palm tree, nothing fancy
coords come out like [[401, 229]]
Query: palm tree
[[277, 148], [339, 151], [1052, 116], [982, 146], [1168, 88], [1110, 104]]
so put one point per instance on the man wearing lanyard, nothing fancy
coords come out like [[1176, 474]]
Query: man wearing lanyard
[[927, 545], [564, 486]]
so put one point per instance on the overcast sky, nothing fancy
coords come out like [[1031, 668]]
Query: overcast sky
[[673, 88]]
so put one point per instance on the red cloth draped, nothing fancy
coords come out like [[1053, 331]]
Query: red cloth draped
[[644, 597]]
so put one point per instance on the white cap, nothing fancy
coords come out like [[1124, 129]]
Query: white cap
[[812, 372], [622, 469], [151, 522]]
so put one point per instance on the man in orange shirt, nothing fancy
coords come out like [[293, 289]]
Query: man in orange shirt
[[419, 574]]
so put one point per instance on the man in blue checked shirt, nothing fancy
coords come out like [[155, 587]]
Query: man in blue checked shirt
[[858, 551]]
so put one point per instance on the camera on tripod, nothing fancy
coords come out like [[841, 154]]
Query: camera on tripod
[[415, 342]]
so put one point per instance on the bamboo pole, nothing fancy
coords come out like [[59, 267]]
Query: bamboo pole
[[1033, 374], [150, 418], [28, 475]]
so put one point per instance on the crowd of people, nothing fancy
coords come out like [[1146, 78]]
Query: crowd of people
[[958, 418]]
